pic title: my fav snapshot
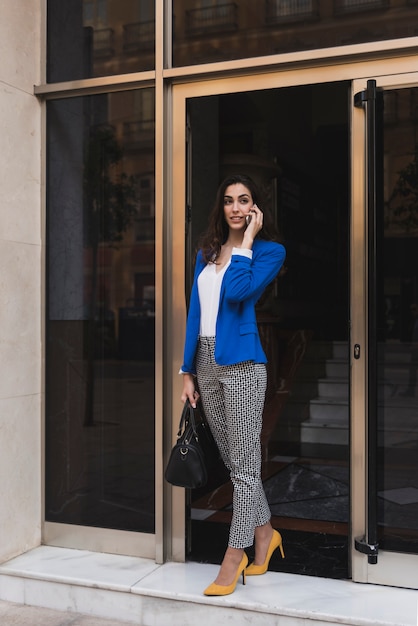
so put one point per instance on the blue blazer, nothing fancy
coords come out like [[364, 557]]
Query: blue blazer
[[237, 337]]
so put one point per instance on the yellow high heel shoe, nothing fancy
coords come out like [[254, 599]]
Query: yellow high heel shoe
[[224, 590], [275, 542]]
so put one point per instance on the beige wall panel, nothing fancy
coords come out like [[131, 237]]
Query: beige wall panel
[[21, 278], [20, 320], [20, 43], [20, 468], [20, 215]]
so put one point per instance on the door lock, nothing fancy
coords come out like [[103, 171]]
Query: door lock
[[357, 351]]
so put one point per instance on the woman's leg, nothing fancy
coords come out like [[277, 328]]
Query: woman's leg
[[212, 396], [244, 388], [263, 535], [233, 401]]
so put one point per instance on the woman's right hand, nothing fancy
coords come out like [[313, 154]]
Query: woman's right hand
[[189, 390], [253, 228]]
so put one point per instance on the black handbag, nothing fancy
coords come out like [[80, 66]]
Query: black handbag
[[194, 452]]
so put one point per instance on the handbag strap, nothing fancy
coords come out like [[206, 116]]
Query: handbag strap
[[187, 417]]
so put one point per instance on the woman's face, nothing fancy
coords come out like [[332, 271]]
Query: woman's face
[[237, 204]]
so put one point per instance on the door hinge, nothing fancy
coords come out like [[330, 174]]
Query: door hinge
[[370, 549], [360, 98], [367, 94]]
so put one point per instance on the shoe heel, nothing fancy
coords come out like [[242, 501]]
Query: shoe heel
[[243, 576], [281, 550]]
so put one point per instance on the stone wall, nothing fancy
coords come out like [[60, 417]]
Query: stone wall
[[20, 278]]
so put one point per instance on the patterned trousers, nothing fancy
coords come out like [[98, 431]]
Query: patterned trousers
[[233, 400]]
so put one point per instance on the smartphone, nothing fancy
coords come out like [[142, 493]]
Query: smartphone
[[249, 216]]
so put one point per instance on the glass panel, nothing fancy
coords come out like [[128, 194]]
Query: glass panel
[[100, 311], [88, 38], [398, 326], [294, 143], [216, 30]]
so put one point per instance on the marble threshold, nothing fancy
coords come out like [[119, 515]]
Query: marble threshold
[[139, 591]]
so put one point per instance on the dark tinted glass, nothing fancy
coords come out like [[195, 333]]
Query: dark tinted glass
[[100, 311], [206, 31], [397, 324], [89, 38], [294, 142]]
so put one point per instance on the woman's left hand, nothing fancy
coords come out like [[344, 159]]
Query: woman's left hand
[[189, 390]]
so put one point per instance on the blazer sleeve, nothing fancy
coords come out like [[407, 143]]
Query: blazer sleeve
[[247, 278]]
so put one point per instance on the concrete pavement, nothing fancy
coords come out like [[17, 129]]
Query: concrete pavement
[[22, 615]]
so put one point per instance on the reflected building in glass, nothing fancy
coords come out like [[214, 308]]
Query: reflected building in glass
[[207, 32]]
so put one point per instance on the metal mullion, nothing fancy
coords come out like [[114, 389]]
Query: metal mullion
[[89, 86], [161, 496], [372, 51], [170, 503], [43, 43], [282, 62]]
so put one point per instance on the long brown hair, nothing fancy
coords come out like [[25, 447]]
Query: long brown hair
[[217, 231]]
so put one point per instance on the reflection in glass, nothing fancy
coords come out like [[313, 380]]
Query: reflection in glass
[[398, 325], [206, 31], [88, 38], [100, 311]]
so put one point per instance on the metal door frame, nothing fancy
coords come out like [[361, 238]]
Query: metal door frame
[[390, 568], [389, 73]]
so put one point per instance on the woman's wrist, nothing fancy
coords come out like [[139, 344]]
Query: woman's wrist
[[247, 242]]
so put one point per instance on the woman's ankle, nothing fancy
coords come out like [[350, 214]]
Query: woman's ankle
[[264, 532]]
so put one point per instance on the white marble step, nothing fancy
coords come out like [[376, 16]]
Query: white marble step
[[140, 592], [339, 388], [318, 403], [328, 409], [326, 420], [327, 349], [389, 352], [335, 368]]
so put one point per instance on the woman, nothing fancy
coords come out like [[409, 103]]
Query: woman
[[236, 261]]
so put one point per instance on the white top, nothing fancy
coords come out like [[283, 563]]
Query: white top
[[209, 285]]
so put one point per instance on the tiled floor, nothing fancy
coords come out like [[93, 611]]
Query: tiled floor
[[139, 591]]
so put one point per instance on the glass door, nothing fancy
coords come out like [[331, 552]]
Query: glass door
[[294, 142], [385, 133]]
